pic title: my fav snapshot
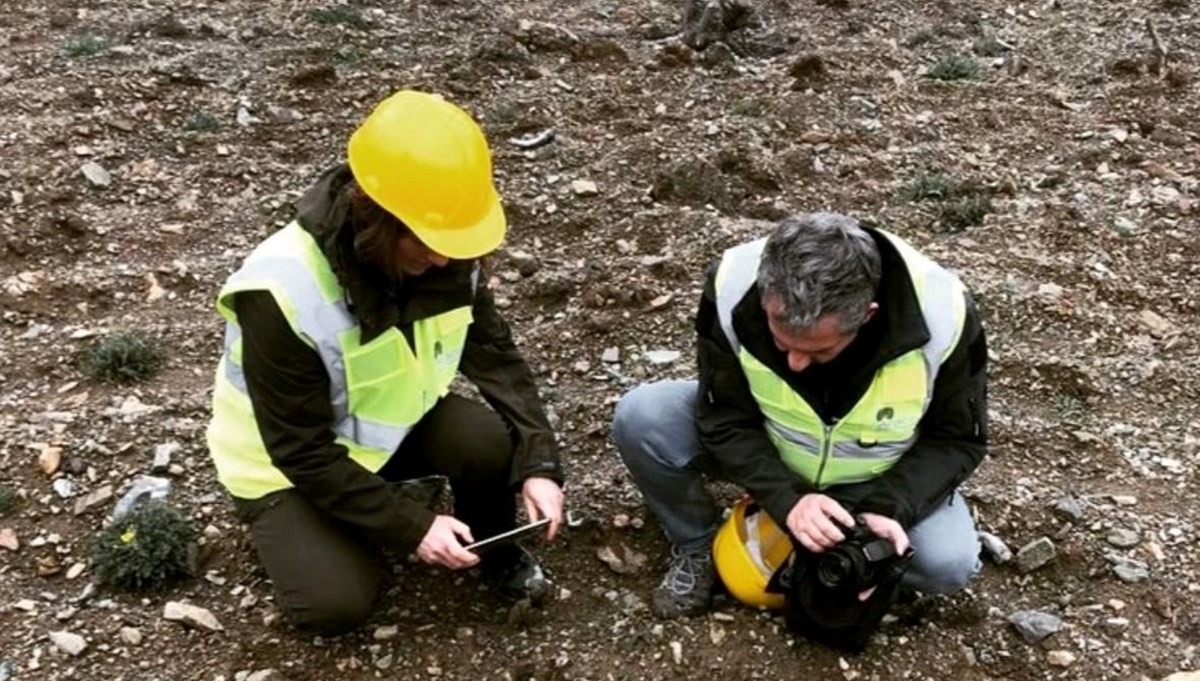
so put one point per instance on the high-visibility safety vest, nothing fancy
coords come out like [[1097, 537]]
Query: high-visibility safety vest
[[378, 390], [883, 425]]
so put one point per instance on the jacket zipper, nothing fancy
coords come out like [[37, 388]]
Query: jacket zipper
[[826, 446]]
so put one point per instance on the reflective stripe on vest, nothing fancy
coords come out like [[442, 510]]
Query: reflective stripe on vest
[[883, 425], [377, 391]]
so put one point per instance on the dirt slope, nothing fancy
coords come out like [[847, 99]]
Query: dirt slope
[[211, 117]]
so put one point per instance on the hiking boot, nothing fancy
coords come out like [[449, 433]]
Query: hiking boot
[[686, 589], [516, 574]]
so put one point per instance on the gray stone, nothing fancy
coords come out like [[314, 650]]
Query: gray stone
[[584, 188], [995, 548], [1131, 571], [92, 499], [7, 669], [1069, 508], [661, 357], [266, 675], [245, 118], [1034, 625], [131, 635], [1060, 658], [611, 356], [1116, 624], [191, 615], [1035, 554], [162, 457], [282, 114], [527, 264], [632, 604], [96, 174], [387, 632], [1123, 538], [71, 644], [63, 487], [143, 490]]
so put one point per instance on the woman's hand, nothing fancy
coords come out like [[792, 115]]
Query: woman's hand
[[543, 499], [442, 546]]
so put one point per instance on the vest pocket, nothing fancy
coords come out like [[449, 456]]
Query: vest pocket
[[380, 383]]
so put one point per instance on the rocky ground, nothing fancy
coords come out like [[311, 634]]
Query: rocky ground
[[147, 146]]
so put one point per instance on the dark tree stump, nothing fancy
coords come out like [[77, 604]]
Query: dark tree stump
[[708, 21]]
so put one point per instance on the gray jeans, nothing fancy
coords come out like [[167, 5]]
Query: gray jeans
[[655, 432]]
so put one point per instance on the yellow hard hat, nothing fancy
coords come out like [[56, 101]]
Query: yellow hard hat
[[747, 550], [425, 161]]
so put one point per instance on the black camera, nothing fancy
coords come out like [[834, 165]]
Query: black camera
[[856, 563], [821, 590]]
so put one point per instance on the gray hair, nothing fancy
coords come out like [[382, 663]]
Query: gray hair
[[820, 264]]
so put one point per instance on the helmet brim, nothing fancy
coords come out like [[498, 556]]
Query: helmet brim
[[466, 243]]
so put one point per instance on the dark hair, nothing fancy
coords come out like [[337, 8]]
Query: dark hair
[[820, 264], [373, 233]]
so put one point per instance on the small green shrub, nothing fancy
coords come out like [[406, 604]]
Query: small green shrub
[[931, 186], [87, 45], [340, 15], [965, 211], [503, 113], [145, 550], [124, 357], [9, 500], [954, 67], [202, 121], [350, 54], [960, 204], [920, 38], [750, 108]]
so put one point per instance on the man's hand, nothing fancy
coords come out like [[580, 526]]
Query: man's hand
[[543, 499], [811, 522], [886, 528], [442, 546]]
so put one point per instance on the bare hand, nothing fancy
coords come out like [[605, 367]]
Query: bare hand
[[811, 522], [543, 499], [886, 528], [443, 544]]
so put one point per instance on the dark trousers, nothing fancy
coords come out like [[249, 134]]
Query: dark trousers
[[326, 577]]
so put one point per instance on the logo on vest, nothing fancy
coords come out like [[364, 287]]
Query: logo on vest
[[885, 414]]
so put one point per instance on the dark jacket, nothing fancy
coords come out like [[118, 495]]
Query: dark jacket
[[952, 437], [289, 385]]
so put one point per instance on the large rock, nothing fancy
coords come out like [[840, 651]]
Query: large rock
[[1034, 626], [661, 357], [1035, 554], [1131, 571], [995, 548], [93, 499], [1069, 509], [8, 539], [71, 644], [191, 615], [1060, 658], [1123, 538]]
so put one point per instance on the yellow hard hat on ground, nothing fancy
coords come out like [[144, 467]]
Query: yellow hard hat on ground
[[425, 161], [747, 550]]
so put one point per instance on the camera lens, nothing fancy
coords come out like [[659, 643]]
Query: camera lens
[[833, 569]]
